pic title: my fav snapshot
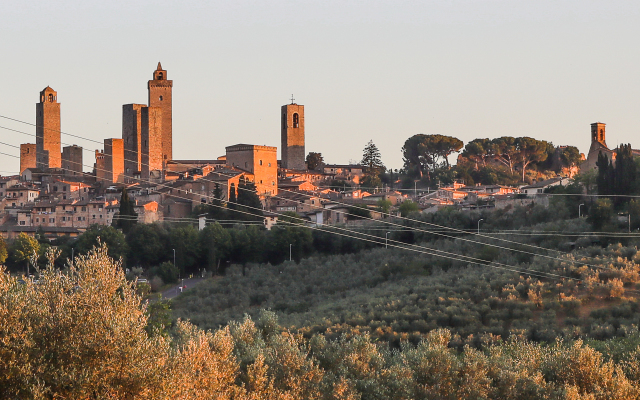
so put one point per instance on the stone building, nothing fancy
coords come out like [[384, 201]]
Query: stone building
[[147, 131], [110, 163], [132, 135], [160, 96], [72, 160], [48, 130], [27, 156], [599, 145], [261, 161], [151, 140], [292, 137]]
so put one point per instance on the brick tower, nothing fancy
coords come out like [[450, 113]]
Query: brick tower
[[160, 97], [292, 137], [48, 130], [131, 134], [27, 156]]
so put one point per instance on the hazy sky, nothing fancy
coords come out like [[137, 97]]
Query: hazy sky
[[380, 70]]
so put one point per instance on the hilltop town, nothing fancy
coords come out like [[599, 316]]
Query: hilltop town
[[56, 197]]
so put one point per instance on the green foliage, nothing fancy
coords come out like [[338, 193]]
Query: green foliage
[[166, 271], [4, 253], [384, 206], [359, 211], [570, 156], [531, 150], [148, 244], [372, 160], [215, 241], [428, 152], [601, 213], [95, 234], [127, 216], [315, 161], [24, 249], [407, 207], [184, 239]]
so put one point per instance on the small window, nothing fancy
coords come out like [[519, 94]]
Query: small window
[[295, 120], [160, 77], [160, 98], [269, 164], [260, 162], [50, 97]]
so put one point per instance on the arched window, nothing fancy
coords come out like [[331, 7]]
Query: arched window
[[50, 97], [295, 120], [601, 134], [160, 98], [160, 76]]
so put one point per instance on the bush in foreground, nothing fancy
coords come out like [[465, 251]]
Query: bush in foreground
[[84, 333]]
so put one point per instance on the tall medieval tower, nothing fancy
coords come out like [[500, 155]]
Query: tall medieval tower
[[292, 137], [48, 130], [160, 97]]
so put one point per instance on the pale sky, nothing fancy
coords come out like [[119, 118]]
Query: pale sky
[[380, 70]]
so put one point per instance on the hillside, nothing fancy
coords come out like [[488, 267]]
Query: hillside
[[397, 294]]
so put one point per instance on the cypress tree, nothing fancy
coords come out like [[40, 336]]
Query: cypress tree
[[127, 215]]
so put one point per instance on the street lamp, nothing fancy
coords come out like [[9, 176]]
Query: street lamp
[[579, 211], [290, 252], [481, 219], [386, 239]]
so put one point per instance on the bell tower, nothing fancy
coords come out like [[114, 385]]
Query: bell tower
[[160, 97], [598, 133], [48, 130], [292, 136]]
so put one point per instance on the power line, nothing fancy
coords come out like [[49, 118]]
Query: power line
[[433, 252], [368, 218]]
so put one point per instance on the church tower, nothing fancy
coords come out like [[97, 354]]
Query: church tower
[[598, 133], [48, 130], [292, 136], [160, 97]]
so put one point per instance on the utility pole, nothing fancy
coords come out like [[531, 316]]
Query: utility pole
[[481, 219]]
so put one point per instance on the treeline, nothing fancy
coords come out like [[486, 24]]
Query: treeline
[[83, 333], [503, 160]]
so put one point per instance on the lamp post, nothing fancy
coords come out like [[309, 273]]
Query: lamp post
[[386, 240], [174, 260], [290, 251], [481, 219], [580, 211]]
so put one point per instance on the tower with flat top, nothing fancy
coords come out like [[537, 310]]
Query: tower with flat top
[[292, 136], [48, 130]]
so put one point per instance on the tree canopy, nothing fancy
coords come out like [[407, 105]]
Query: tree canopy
[[428, 152], [314, 160]]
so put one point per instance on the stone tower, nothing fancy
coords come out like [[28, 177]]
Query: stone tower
[[48, 130], [132, 136], [27, 156], [598, 133], [160, 97], [151, 153], [72, 160], [292, 137]]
